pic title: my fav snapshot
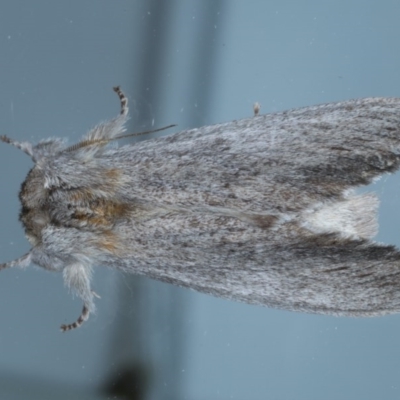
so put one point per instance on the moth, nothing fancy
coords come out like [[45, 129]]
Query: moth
[[261, 210]]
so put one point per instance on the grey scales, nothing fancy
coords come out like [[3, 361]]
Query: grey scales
[[260, 210]]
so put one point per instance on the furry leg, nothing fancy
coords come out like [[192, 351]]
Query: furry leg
[[77, 277]]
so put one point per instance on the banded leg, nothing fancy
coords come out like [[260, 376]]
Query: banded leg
[[123, 99], [81, 319], [77, 277]]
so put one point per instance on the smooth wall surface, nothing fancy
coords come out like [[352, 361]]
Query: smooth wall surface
[[191, 63]]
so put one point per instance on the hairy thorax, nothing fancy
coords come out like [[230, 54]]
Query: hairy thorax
[[82, 208]]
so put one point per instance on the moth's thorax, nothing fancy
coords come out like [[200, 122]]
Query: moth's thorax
[[94, 209]]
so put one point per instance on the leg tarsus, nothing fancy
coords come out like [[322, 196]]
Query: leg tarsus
[[81, 319], [123, 99]]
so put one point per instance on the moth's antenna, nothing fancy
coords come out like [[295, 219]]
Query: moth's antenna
[[143, 133], [85, 143]]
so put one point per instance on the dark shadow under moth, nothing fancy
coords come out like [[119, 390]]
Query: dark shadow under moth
[[260, 210]]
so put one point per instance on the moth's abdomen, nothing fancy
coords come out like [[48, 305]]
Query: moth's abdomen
[[354, 216]]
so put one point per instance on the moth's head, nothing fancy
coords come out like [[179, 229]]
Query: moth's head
[[34, 196], [34, 193]]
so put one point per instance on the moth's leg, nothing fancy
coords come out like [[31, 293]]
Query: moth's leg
[[256, 108], [123, 99], [26, 147], [81, 319], [22, 262], [77, 277]]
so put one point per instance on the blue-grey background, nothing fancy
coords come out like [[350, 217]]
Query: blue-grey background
[[190, 62]]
